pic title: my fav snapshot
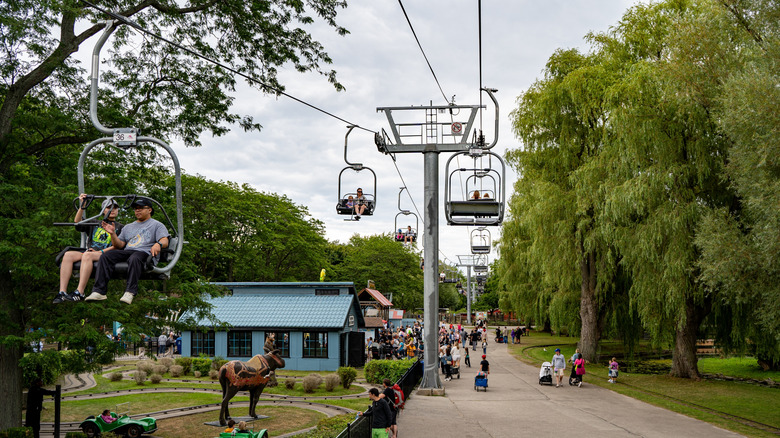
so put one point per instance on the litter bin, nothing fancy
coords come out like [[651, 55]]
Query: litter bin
[[178, 345]]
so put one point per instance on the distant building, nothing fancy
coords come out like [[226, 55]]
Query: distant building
[[316, 325]]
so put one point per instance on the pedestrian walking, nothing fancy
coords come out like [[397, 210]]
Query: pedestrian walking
[[559, 365], [162, 341], [484, 346], [613, 370]]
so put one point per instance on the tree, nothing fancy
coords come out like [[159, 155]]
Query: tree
[[392, 267], [561, 120], [152, 85]]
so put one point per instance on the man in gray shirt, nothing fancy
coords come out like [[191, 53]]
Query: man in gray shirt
[[559, 364], [133, 245]]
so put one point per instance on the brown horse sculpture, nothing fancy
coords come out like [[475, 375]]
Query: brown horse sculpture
[[249, 376]]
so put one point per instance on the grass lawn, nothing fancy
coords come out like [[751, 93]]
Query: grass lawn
[[77, 410], [744, 367], [754, 402], [283, 419]]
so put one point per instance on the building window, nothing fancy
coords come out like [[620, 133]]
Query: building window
[[315, 344], [326, 291], [202, 343], [239, 344], [281, 342]]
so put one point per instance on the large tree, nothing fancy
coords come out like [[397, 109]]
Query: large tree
[[157, 87]]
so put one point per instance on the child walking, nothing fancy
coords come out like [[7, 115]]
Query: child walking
[[613, 371]]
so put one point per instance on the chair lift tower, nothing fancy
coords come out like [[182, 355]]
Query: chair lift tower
[[432, 138], [469, 261]]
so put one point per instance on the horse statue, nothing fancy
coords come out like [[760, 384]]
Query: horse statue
[[249, 376]]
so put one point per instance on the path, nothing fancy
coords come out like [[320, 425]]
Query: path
[[515, 405]]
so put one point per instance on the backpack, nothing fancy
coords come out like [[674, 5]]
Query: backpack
[[398, 398]]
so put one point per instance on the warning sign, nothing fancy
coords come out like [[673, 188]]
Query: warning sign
[[457, 128]]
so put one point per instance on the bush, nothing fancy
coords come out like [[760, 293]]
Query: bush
[[146, 366], [155, 378], [176, 370], [213, 374], [202, 364], [76, 435], [378, 370], [139, 376], [289, 383], [115, 376], [17, 432], [217, 363], [196, 373], [167, 362], [331, 382], [329, 427], [272, 382], [347, 375], [159, 369], [311, 382], [186, 364]]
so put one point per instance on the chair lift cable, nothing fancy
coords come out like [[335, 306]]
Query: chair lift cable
[[249, 78]]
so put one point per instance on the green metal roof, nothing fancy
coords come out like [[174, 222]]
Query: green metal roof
[[284, 311]]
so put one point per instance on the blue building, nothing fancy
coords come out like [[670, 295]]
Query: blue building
[[316, 325]]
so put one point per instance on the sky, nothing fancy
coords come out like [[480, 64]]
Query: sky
[[300, 151]]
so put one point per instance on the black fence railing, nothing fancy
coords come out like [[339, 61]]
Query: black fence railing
[[361, 427]]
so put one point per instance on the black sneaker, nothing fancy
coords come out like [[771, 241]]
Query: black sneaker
[[74, 296], [61, 296]]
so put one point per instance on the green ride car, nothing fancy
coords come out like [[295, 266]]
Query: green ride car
[[263, 433], [124, 425]]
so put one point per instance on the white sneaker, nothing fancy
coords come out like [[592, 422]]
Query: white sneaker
[[579, 385], [127, 298], [94, 296]]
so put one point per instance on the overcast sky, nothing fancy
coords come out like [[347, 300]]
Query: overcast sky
[[300, 151]]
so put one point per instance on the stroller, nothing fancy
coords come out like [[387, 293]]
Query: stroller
[[545, 373], [480, 381]]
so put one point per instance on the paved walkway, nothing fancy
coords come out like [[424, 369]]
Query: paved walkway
[[515, 405]]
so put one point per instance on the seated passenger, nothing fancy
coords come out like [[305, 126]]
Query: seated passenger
[[350, 202], [486, 196], [409, 234], [99, 242], [361, 204], [107, 417], [230, 426], [145, 236], [475, 195], [399, 236], [242, 427]]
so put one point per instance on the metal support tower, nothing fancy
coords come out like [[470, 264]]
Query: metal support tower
[[430, 276]]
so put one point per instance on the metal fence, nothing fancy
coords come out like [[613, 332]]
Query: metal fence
[[361, 427]]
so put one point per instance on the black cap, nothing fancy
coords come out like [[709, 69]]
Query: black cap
[[142, 202]]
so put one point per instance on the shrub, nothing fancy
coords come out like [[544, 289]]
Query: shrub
[[202, 364], [214, 374], [196, 373], [159, 369], [347, 375], [139, 376], [378, 370], [76, 435], [217, 363], [155, 378], [176, 370], [115, 376], [311, 382], [167, 362], [272, 382], [289, 383], [186, 364], [329, 427], [17, 432], [46, 366], [146, 366], [331, 382]]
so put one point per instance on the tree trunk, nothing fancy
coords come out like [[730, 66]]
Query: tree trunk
[[590, 333], [684, 360], [10, 354]]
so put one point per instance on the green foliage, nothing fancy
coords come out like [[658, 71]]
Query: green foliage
[[347, 376], [46, 366], [201, 364], [217, 362], [155, 378], [176, 370], [289, 383], [390, 265], [329, 427], [115, 376], [17, 432], [146, 366], [139, 377], [311, 382], [378, 370], [185, 363], [76, 435]]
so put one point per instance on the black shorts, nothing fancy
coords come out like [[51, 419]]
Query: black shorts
[[393, 416]]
